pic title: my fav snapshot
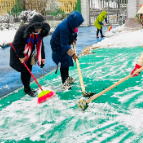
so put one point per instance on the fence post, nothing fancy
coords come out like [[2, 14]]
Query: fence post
[[85, 11]]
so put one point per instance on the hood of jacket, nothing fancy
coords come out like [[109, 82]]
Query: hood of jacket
[[37, 22], [103, 13], [74, 20]]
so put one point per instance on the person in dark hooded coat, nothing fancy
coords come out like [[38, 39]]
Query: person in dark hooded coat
[[61, 40], [28, 38]]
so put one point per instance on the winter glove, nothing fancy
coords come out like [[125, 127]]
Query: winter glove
[[70, 52], [136, 67], [101, 23]]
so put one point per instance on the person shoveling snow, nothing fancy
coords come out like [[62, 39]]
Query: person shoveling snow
[[98, 23]]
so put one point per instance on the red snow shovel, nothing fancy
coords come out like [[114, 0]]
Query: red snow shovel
[[109, 28], [44, 94], [85, 94]]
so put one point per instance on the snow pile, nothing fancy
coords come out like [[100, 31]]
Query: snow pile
[[118, 28], [114, 30], [118, 37], [27, 15], [9, 26], [6, 18], [7, 36]]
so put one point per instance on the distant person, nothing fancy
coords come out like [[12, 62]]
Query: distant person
[[98, 23], [62, 38], [28, 38], [139, 63], [124, 17]]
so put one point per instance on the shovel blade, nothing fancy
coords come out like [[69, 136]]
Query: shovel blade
[[88, 94]]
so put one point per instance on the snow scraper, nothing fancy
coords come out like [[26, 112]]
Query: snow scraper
[[83, 104]]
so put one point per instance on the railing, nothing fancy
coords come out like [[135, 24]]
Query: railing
[[6, 6], [67, 6]]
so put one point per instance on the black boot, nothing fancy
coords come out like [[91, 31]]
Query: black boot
[[34, 91], [102, 36], [29, 91]]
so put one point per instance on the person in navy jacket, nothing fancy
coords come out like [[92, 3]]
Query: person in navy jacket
[[61, 40]]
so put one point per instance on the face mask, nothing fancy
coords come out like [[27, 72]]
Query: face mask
[[75, 30], [35, 33]]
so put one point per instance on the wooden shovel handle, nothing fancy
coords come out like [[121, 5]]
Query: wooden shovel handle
[[79, 71], [112, 86]]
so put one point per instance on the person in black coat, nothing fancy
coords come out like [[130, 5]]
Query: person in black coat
[[61, 40], [28, 38]]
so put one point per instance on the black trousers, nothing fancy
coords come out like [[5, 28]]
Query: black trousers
[[64, 74], [26, 76], [98, 31]]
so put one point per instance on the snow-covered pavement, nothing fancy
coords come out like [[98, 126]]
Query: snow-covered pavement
[[120, 37]]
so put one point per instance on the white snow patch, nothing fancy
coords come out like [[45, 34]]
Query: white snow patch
[[118, 37]]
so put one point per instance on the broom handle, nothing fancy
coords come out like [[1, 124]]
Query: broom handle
[[112, 86], [79, 71], [33, 76], [27, 69]]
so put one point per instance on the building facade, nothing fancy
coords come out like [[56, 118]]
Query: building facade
[[133, 7]]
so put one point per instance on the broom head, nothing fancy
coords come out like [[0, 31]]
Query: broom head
[[44, 95]]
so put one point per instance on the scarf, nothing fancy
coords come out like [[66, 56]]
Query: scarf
[[29, 46]]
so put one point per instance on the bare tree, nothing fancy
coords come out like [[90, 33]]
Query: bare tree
[[42, 4], [52, 6], [38, 5]]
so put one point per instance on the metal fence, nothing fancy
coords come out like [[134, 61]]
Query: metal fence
[[67, 6], [116, 10], [14, 7], [6, 6]]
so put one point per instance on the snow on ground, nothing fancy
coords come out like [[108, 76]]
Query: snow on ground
[[118, 120], [119, 37], [6, 36]]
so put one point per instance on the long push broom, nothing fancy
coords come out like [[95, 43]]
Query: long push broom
[[44, 95], [84, 103], [85, 94]]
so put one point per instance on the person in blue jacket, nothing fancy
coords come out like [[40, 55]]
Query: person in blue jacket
[[61, 41]]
